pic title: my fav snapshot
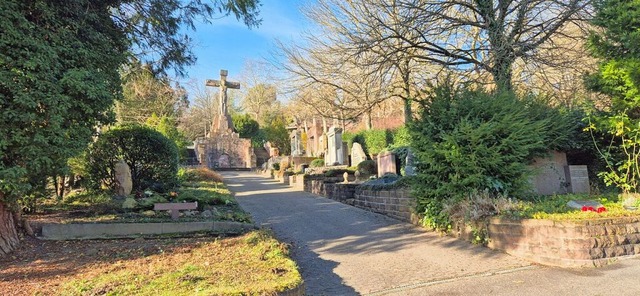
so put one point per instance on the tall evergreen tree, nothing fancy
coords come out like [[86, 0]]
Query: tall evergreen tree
[[618, 77], [59, 77]]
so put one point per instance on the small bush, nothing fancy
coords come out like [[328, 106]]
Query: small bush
[[198, 175], [401, 137], [152, 157], [129, 204], [316, 163], [368, 167], [276, 166], [376, 140], [147, 203], [204, 196]]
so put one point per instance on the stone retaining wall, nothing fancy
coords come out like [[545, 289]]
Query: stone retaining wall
[[567, 244], [395, 203]]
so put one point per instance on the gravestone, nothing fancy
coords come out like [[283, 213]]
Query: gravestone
[[335, 154], [549, 173], [386, 163], [296, 143], [124, 183], [357, 154], [578, 178], [410, 166], [314, 138], [222, 147]]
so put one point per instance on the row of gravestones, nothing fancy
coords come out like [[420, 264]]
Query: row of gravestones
[[386, 161], [553, 173]]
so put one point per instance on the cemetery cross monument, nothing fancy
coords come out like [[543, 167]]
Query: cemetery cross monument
[[222, 147], [223, 84]]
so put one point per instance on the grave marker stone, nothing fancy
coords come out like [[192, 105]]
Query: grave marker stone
[[357, 154], [410, 166], [386, 163], [174, 208], [578, 178], [334, 150], [123, 177]]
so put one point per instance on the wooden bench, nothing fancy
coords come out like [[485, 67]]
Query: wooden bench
[[175, 207]]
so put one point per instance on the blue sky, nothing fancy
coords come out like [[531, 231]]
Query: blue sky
[[227, 43]]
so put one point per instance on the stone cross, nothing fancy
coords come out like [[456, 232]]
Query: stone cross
[[223, 84]]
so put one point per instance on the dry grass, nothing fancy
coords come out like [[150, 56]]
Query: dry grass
[[252, 264], [201, 174]]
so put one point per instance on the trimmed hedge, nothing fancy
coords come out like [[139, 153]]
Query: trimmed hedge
[[377, 140]]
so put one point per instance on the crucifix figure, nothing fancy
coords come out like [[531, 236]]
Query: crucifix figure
[[223, 84]]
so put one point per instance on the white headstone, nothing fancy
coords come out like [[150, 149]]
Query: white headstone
[[334, 150], [357, 154]]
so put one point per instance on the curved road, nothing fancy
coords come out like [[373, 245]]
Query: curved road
[[343, 250]]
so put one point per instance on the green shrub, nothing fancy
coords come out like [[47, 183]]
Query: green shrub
[[401, 137], [376, 140], [368, 167], [152, 157], [276, 166], [147, 203], [204, 196], [470, 141], [316, 163], [401, 157], [129, 204], [350, 138]]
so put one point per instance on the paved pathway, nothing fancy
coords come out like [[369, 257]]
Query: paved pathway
[[342, 250]]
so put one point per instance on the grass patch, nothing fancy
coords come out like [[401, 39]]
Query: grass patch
[[252, 264], [99, 207], [555, 208]]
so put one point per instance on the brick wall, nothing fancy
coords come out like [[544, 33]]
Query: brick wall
[[567, 244], [395, 203]]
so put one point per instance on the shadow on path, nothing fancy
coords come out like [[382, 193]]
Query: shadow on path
[[345, 250]]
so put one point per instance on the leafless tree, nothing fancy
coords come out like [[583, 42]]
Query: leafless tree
[[481, 36]]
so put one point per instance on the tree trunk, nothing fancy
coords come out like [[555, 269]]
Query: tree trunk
[[61, 187], [367, 120], [8, 233], [502, 74], [406, 76], [408, 117]]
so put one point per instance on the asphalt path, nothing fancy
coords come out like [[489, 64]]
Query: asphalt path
[[343, 250]]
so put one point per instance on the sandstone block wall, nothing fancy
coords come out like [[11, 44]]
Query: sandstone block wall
[[568, 244]]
